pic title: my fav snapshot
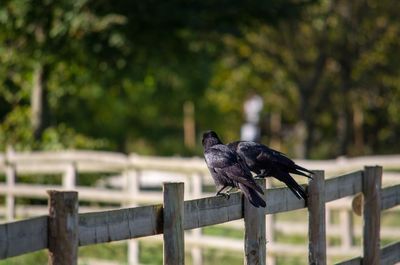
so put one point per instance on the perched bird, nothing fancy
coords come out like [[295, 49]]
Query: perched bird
[[265, 162], [229, 170]]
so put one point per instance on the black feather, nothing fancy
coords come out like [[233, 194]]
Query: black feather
[[266, 162], [229, 170], [253, 197]]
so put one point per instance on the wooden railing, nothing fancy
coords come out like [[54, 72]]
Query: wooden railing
[[96, 161], [176, 215], [73, 165]]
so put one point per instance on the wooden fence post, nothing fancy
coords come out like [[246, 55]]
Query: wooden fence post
[[270, 228], [196, 188], [174, 247], [63, 227], [254, 233], [132, 178], [346, 225], [316, 219], [372, 181], [10, 199], [69, 177]]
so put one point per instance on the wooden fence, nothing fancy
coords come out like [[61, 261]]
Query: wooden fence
[[64, 230], [132, 169]]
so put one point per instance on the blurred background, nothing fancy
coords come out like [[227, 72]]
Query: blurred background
[[124, 76], [313, 79]]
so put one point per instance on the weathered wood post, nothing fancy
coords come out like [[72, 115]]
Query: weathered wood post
[[132, 177], [346, 225], [174, 247], [372, 181], [11, 176], [63, 227], [316, 219], [196, 182], [270, 228], [69, 176], [254, 233]]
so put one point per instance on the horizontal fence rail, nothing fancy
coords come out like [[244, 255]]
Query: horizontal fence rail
[[390, 254], [95, 161], [20, 237]]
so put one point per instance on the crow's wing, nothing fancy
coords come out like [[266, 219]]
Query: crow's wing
[[280, 160], [228, 163], [249, 152], [250, 149], [241, 174], [219, 156], [238, 176], [266, 154]]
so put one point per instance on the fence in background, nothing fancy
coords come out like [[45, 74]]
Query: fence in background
[[191, 171], [64, 230]]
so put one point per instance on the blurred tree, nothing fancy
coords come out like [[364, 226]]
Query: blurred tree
[[105, 69], [115, 75], [37, 40], [324, 73], [364, 46]]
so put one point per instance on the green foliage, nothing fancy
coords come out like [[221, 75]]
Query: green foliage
[[116, 75], [328, 69], [16, 131]]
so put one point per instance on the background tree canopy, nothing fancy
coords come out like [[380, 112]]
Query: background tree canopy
[[116, 75]]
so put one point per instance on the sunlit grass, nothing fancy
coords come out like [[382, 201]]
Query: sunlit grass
[[219, 230], [35, 258]]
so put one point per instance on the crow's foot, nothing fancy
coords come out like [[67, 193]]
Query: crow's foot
[[224, 194]]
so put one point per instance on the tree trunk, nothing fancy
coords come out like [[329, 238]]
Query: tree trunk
[[358, 120], [300, 139], [275, 129], [344, 125], [309, 104], [305, 127], [39, 107], [189, 130]]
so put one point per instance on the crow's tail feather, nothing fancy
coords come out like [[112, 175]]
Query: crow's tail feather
[[254, 198], [298, 170], [251, 184], [292, 185]]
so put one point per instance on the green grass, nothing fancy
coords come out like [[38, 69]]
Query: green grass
[[220, 230], [35, 258], [151, 253], [390, 219], [334, 241], [222, 257], [108, 251], [292, 260], [290, 239], [298, 216]]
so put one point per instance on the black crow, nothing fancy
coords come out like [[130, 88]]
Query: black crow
[[229, 170], [265, 162]]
